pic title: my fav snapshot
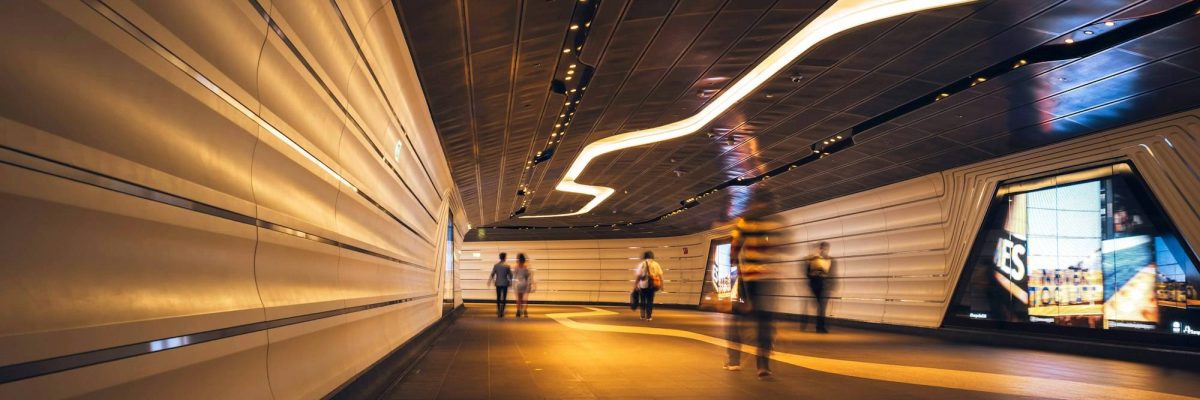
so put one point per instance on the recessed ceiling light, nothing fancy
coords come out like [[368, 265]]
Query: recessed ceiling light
[[1069, 40], [838, 18], [1109, 23], [1088, 32], [568, 78], [566, 50], [574, 27], [571, 71], [571, 66]]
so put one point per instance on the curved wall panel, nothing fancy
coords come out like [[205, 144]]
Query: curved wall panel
[[899, 248], [161, 241], [591, 270]]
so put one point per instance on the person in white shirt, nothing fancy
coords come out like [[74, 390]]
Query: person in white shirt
[[648, 279]]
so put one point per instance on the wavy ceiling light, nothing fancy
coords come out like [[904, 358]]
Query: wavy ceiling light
[[839, 17]]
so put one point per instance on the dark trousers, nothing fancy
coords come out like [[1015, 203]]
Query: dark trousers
[[818, 290], [501, 299], [733, 334], [764, 326], [647, 302]]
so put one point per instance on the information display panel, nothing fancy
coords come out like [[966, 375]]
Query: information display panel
[[1086, 252], [720, 276]]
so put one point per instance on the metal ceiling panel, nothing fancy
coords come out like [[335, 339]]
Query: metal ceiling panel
[[487, 68]]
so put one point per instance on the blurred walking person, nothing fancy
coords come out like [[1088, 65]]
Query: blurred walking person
[[820, 268], [648, 279], [522, 284], [751, 239], [501, 276]]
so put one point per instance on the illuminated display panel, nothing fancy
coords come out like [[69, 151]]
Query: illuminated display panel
[[1087, 252], [720, 276]]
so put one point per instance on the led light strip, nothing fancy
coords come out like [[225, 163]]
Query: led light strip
[[839, 17]]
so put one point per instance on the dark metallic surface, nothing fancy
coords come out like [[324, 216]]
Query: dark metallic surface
[[1097, 37], [657, 62]]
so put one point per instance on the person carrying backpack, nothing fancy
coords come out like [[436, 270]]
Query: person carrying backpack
[[648, 279]]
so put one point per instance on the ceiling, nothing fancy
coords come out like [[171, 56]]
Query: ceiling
[[487, 69]]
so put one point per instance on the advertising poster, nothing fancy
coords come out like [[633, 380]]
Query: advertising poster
[[1089, 249], [720, 278]]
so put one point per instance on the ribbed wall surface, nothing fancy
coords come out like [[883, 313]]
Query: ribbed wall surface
[[591, 270], [145, 201], [900, 248]]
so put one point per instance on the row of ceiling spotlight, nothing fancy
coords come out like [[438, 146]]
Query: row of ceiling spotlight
[[1096, 37], [571, 77]]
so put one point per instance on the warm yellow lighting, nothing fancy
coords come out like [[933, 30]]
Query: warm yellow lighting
[[1069, 40], [569, 72], [568, 78], [839, 17], [566, 50], [1109, 23], [574, 27], [571, 66]]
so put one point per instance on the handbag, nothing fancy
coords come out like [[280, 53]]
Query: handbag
[[635, 299], [656, 281]]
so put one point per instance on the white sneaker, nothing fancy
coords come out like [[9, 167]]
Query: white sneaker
[[732, 367]]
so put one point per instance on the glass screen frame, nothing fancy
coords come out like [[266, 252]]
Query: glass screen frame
[[1123, 169], [710, 296]]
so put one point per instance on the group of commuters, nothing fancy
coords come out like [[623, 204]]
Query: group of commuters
[[648, 279], [758, 278], [520, 278]]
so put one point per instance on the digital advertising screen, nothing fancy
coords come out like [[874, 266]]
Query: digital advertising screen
[[720, 277], [1088, 250]]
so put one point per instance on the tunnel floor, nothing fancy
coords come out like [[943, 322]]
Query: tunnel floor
[[607, 352]]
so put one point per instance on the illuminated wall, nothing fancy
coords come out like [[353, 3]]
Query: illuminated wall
[[591, 270], [219, 208], [900, 248]]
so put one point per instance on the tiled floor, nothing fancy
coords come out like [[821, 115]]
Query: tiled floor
[[482, 356]]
